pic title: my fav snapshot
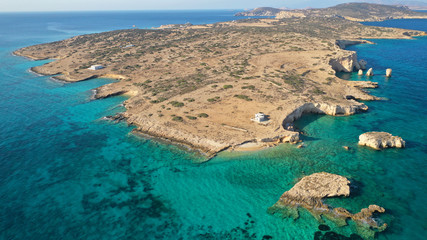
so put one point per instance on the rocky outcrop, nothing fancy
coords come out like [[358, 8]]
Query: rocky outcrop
[[345, 62], [380, 140], [325, 108], [308, 194], [363, 84], [319, 185], [388, 72], [370, 72]]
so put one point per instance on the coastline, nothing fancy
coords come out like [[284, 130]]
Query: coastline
[[211, 146]]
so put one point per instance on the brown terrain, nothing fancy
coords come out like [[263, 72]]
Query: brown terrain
[[356, 11], [201, 85]]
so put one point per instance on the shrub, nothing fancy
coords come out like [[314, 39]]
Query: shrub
[[191, 117], [176, 104], [227, 86], [244, 97], [177, 119], [251, 87], [213, 99], [203, 115]]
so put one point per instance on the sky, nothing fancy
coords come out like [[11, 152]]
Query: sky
[[88, 5]]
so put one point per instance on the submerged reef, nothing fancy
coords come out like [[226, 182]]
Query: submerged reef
[[308, 194]]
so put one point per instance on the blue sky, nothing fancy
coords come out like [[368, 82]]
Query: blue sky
[[72, 5]]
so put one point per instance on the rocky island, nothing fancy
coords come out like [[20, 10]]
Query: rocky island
[[380, 140], [308, 194], [201, 85]]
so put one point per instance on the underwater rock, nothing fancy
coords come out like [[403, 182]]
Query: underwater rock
[[308, 194], [362, 64], [380, 140], [323, 227]]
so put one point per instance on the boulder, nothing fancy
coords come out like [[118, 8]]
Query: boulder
[[380, 140], [320, 185]]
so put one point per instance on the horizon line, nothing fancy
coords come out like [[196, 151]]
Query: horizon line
[[127, 10]]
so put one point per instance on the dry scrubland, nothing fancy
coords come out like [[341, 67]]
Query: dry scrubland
[[201, 85]]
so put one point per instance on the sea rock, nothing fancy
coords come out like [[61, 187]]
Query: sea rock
[[380, 140], [370, 72], [308, 194], [360, 73], [388, 72], [319, 185]]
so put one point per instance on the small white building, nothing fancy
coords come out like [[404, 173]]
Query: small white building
[[96, 67], [260, 117]]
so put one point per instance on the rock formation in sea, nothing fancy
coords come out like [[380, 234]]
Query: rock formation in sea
[[308, 194], [370, 72], [360, 73], [380, 140], [388, 72]]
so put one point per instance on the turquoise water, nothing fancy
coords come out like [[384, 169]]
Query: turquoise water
[[67, 174]]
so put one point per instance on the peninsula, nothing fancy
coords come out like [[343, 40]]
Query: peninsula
[[361, 12], [201, 85]]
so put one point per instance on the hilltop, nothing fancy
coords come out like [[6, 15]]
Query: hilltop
[[351, 11], [200, 85]]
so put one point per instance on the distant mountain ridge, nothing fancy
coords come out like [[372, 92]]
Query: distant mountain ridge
[[351, 11], [414, 5]]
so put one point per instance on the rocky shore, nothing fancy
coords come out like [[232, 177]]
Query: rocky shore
[[201, 85]]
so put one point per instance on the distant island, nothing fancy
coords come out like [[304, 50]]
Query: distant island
[[235, 85], [361, 12]]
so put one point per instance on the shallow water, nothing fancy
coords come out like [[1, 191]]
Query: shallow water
[[66, 174]]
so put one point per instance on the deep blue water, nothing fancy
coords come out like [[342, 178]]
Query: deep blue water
[[67, 174]]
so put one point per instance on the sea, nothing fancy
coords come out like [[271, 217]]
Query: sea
[[66, 173]]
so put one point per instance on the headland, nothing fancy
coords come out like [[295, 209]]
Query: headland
[[200, 85]]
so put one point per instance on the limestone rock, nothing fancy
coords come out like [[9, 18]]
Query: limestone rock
[[360, 73], [388, 72], [370, 72], [308, 194], [320, 185], [291, 137], [380, 140], [345, 61]]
